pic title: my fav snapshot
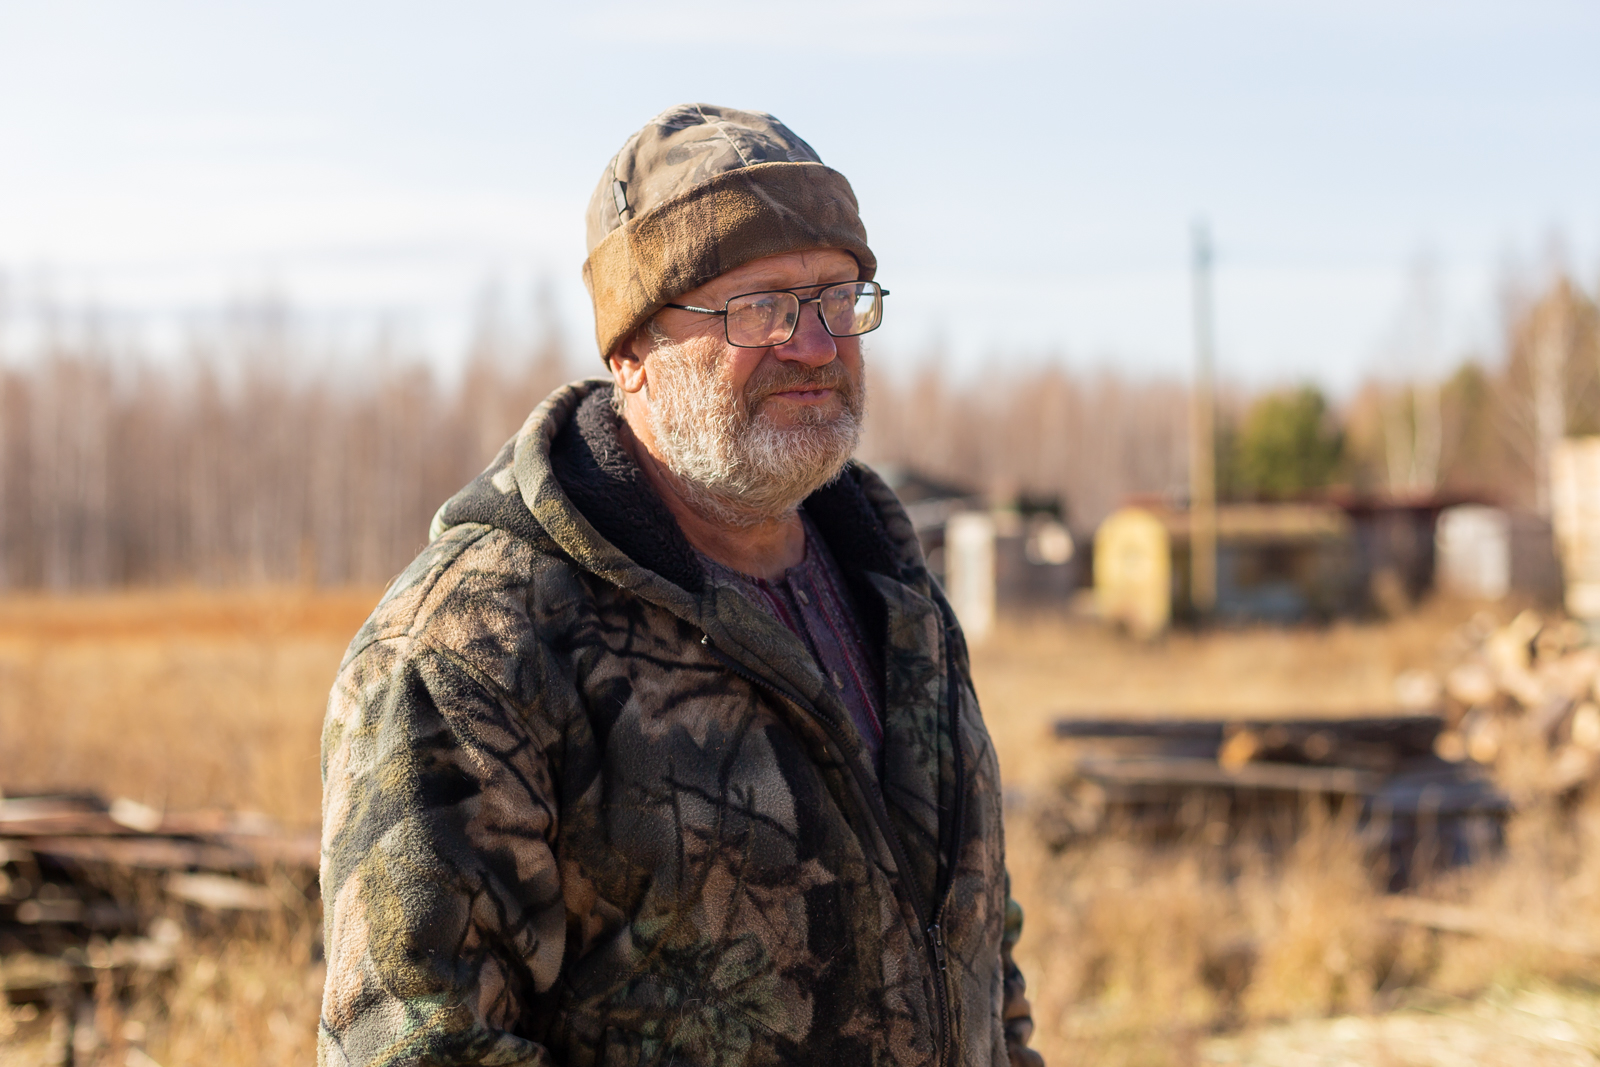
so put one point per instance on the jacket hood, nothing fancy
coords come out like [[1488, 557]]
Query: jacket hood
[[565, 478]]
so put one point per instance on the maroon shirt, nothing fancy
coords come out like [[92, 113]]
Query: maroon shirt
[[813, 601]]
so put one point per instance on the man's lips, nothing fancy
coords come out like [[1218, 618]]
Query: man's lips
[[804, 395]]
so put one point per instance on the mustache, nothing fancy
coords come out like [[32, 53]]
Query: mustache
[[785, 377]]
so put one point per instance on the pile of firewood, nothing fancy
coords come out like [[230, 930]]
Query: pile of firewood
[[1519, 699]]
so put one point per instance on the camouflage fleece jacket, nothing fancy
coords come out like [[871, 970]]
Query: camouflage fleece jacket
[[584, 804]]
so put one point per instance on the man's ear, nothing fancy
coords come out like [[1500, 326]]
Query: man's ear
[[627, 362]]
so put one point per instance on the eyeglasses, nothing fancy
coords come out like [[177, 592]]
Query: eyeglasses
[[759, 320]]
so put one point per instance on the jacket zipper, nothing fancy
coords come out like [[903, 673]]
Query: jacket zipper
[[958, 819], [932, 932]]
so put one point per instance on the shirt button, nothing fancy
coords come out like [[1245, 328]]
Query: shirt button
[[800, 595], [838, 681]]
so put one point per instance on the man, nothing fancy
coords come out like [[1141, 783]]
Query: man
[[665, 749]]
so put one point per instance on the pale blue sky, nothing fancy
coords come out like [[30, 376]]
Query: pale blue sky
[[388, 160]]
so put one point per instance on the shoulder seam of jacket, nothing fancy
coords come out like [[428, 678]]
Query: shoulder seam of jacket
[[407, 628]]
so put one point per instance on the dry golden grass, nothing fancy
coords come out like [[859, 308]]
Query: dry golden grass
[[1135, 956], [241, 997], [180, 699]]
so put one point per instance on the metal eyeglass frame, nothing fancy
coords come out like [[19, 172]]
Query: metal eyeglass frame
[[822, 287]]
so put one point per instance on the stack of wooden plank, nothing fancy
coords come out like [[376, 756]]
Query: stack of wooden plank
[[89, 888], [1166, 776], [126, 833]]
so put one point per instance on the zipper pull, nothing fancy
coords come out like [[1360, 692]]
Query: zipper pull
[[936, 938]]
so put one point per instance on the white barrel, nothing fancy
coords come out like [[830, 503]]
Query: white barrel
[[969, 571], [1473, 552]]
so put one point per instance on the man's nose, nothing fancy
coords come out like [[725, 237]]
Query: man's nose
[[811, 344]]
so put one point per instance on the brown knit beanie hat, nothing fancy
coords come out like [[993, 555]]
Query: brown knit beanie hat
[[699, 191]]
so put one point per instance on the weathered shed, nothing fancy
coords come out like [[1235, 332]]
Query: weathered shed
[[1395, 540]]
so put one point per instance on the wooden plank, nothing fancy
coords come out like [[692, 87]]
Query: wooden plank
[[147, 852], [66, 824], [1425, 794], [29, 820], [67, 814], [214, 822], [1209, 774], [49, 805], [32, 822], [290, 850], [220, 892], [1479, 922], [1411, 734], [26, 975], [44, 912], [81, 827], [1430, 795], [1175, 729]]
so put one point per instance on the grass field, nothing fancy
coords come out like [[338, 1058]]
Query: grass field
[[180, 699], [185, 698]]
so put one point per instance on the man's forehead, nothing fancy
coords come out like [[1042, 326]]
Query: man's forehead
[[787, 271]]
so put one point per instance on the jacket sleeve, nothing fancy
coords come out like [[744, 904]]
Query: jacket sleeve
[[444, 921], [1015, 1012]]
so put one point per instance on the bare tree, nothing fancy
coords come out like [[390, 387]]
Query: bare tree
[[1092, 441], [1552, 378], [1413, 419], [254, 458]]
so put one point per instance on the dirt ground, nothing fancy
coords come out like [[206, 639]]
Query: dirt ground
[[184, 699]]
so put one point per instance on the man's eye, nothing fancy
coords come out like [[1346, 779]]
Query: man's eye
[[756, 311]]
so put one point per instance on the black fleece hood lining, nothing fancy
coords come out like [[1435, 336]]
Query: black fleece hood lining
[[608, 488]]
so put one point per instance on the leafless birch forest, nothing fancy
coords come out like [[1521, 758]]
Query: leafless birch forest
[[257, 454], [253, 458]]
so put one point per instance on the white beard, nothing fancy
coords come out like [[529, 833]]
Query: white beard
[[737, 467]]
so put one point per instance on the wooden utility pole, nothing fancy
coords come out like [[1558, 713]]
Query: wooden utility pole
[[1202, 440]]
